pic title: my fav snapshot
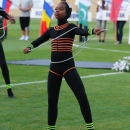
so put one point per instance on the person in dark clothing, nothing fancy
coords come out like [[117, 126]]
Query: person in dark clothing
[[62, 64], [3, 64], [120, 26]]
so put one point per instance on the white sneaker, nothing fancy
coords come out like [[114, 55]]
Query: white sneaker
[[118, 42], [22, 38], [26, 38]]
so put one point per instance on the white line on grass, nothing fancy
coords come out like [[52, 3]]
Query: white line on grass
[[124, 37], [103, 49], [44, 81]]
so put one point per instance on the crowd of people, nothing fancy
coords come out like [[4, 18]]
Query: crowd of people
[[61, 65], [104, 5], [101, 6]]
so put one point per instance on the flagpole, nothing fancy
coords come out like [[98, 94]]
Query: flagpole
[[129, 33], [115, 32], [129, 24]]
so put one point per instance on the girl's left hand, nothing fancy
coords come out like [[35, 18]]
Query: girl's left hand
[[11, 19], [98, 31]]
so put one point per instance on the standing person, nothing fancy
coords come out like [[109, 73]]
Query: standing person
[[120, 24], [3, 64], [62, 65], [25, 7], [101, 5], [88, 4]]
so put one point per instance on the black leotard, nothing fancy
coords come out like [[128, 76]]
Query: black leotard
[[61, 50]]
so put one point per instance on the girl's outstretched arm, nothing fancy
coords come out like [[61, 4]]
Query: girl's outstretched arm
[[86, 32], [37, 42]]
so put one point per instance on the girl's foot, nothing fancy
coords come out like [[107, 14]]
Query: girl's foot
[[10, 93]]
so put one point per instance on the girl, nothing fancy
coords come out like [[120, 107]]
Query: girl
[[61, 67], [3, 64]]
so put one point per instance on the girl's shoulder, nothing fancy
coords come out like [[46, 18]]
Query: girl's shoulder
[[51, 28], [72, 25]]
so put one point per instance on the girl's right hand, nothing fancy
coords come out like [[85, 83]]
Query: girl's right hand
[[26, 50], [11, 19]]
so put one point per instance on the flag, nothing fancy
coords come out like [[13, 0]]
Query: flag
[[115, 8], [83, 14], [46, 17], [5, 5]]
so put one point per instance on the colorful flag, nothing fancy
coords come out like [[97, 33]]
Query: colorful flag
[[46, 17], [83, 14], [5, 5], [115, 8]]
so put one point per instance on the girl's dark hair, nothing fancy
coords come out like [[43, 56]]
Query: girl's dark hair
[[68, 9]]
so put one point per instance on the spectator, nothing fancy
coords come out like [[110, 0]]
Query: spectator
[[25, 7], [101, 5], [120, 24], [3, 64], [88, 4]]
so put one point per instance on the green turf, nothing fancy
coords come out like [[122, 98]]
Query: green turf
[[108, 95]]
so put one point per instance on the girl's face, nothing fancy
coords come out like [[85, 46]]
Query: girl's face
[[60, 11]]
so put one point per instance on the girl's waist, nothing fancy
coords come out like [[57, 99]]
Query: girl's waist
[[61, 56]]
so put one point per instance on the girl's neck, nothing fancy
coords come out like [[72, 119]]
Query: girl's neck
[[62, 21]]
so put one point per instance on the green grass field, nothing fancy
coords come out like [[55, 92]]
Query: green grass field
[[107, 90]]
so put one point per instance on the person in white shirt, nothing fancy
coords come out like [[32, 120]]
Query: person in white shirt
[[101, 6], [88, 4], [25, 7], [120, 24]]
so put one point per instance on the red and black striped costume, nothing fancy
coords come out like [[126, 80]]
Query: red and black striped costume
[[62, 50]]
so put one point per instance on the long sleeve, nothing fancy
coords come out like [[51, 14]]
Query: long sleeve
[[83, 32], [40, 40], [3, 13]]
